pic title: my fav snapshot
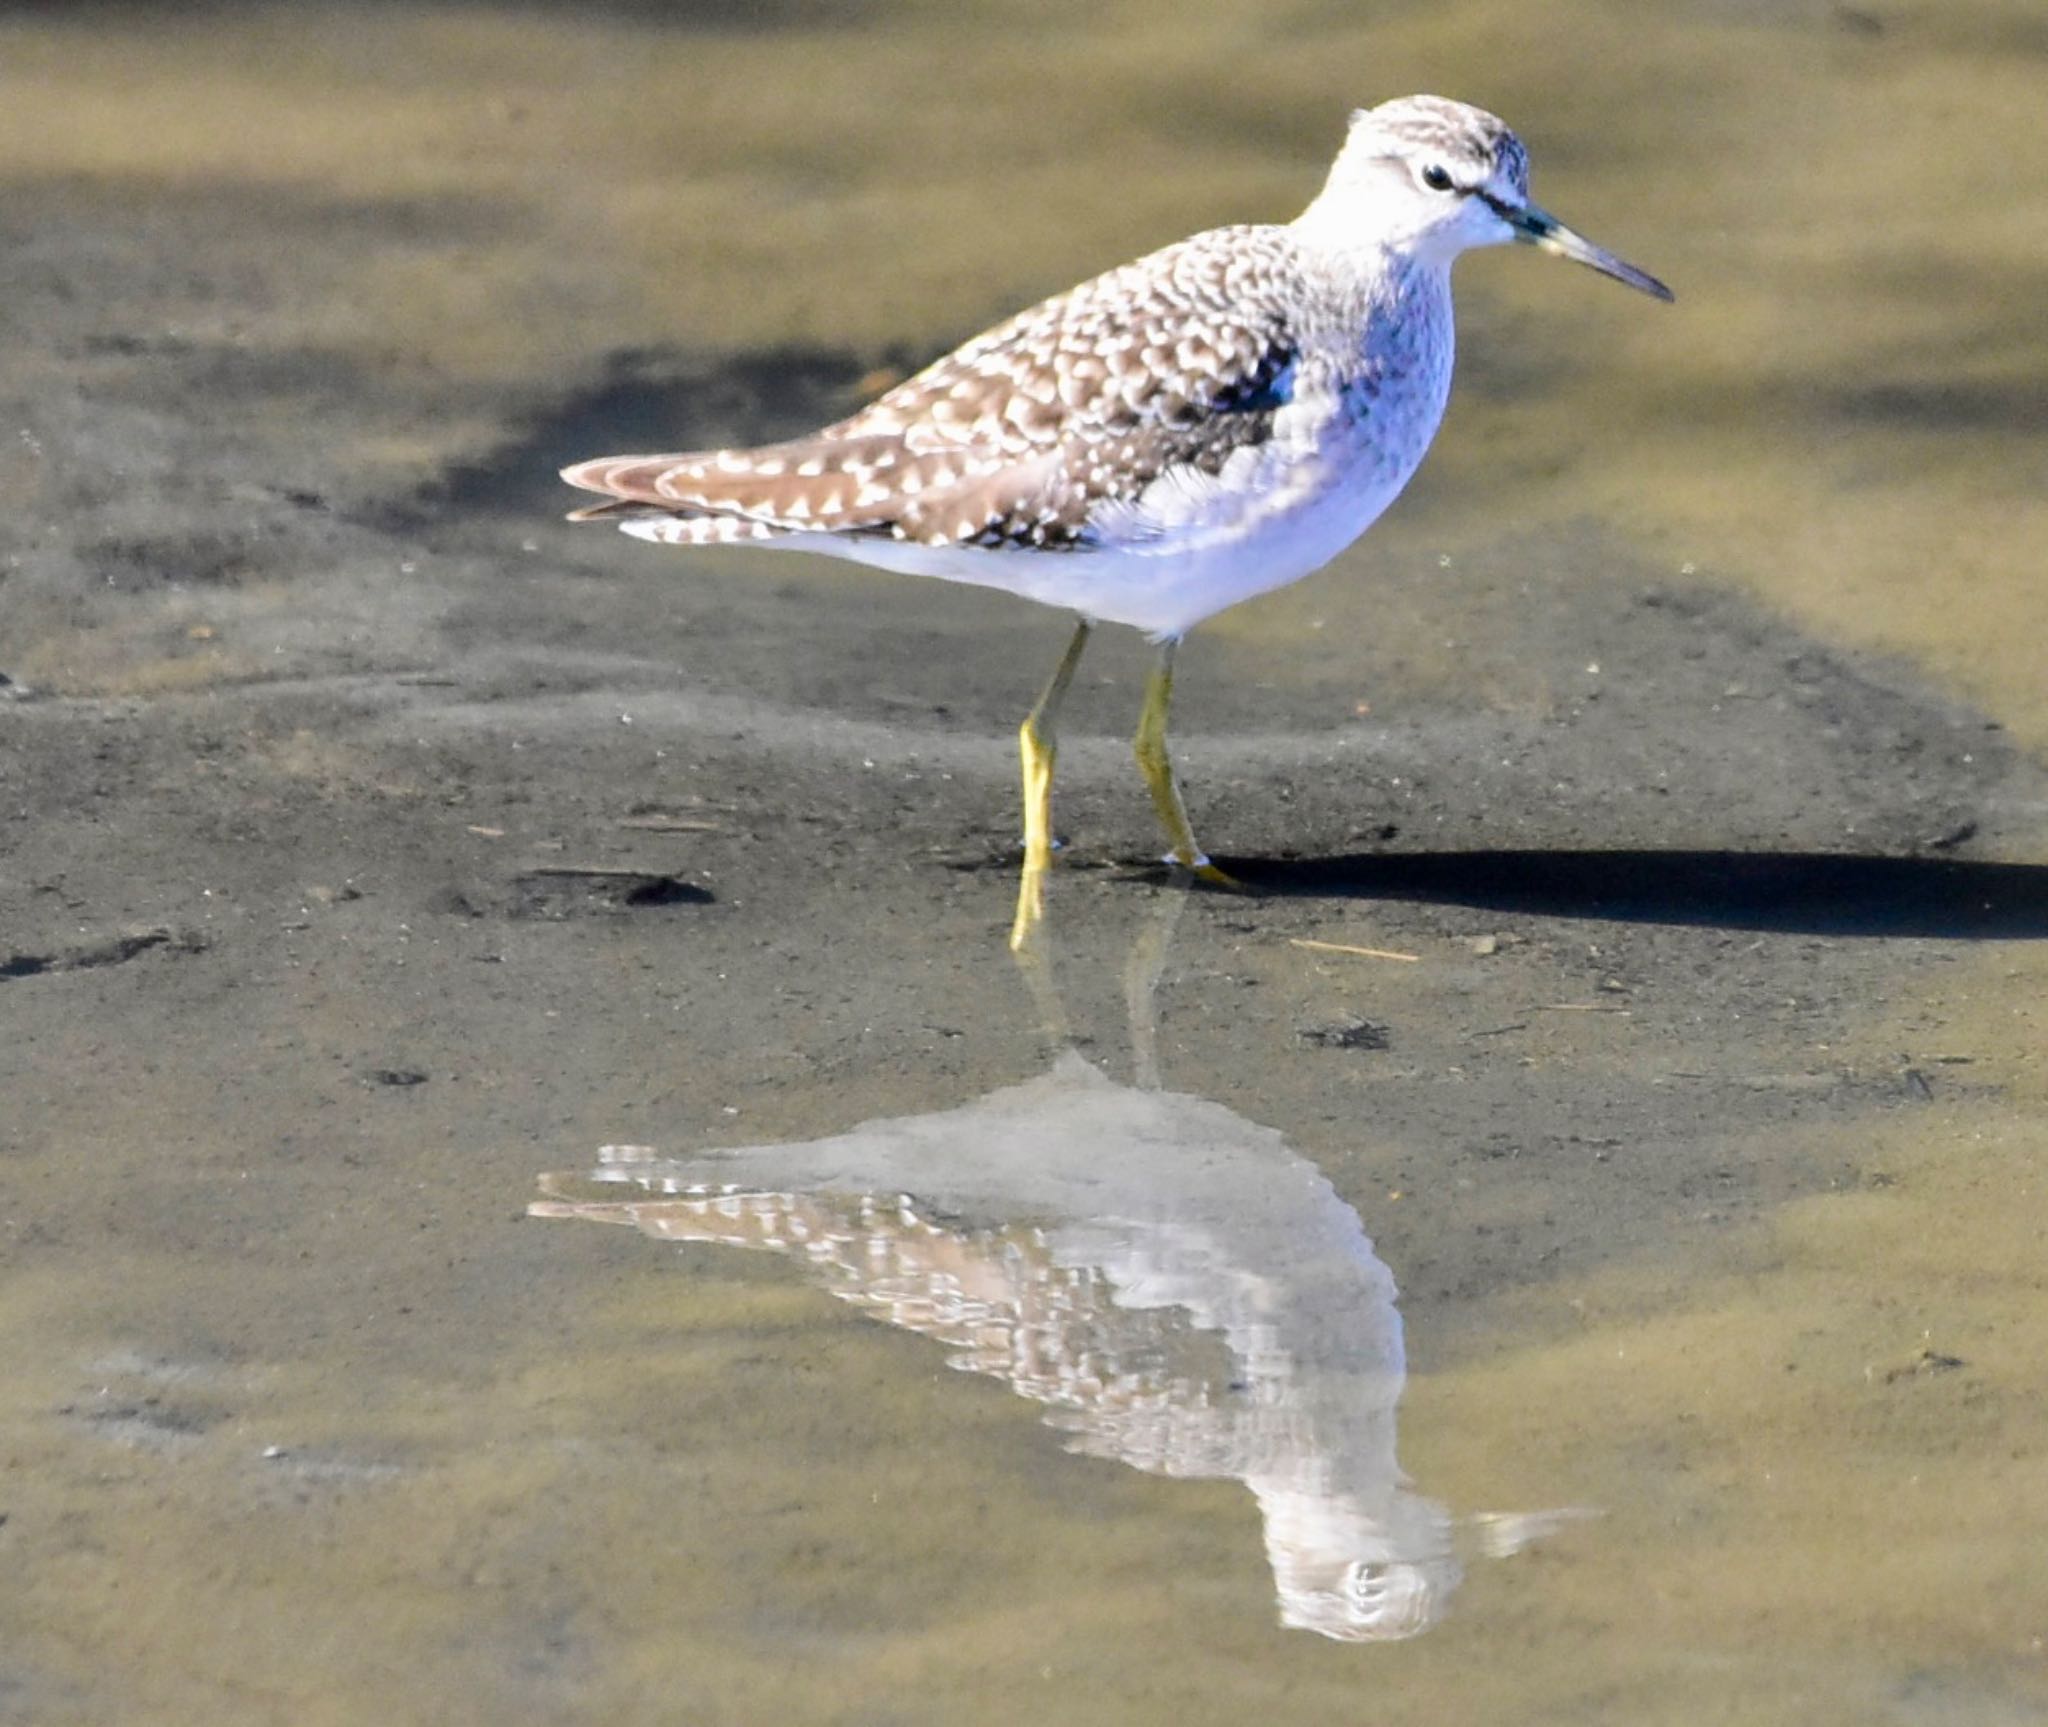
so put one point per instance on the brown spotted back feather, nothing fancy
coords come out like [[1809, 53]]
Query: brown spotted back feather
[[1019, 437]]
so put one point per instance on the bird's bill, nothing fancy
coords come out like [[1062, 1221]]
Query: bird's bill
[[1540, 228]]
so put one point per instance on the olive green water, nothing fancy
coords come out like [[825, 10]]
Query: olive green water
[[1715, 1215]]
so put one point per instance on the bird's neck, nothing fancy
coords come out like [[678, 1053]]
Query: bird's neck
[[1395, 301], [1351, 252]]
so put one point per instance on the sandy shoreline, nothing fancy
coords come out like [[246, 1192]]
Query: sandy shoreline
[[376, 843]]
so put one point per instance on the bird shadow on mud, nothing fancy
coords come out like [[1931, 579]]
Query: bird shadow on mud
[[1790, 893], [654, 398]]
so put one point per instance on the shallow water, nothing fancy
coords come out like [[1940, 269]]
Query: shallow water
[[1567, 1249]]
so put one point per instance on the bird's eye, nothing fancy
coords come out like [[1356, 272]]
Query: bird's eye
[[1437, 177]]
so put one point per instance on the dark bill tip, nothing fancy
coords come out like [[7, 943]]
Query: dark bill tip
[[1539, 228]]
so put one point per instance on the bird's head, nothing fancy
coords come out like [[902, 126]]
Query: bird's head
[[1433, 178]]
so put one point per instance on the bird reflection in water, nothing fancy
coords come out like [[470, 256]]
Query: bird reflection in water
[[1179, 1289]]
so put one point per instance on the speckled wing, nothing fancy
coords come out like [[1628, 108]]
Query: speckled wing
[[1033, 435], [1128, 1382]]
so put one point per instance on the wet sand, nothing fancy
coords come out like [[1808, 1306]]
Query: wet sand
[[378, 844]]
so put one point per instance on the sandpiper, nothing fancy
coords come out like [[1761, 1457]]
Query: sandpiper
[[1214, 421]]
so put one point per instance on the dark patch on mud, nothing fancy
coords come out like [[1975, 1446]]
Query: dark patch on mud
[[569, 890], [660, 399], [89, 956], [398, 1078], [1924, 1365], [702, 17], [200, 558], [315, 379], [151, 1422], [1347, 1034], [555, 893], [245, 205], [722, 17], [2016, 407], [1782, 893]]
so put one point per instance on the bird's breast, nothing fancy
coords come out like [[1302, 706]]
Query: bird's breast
[[1391, 379]]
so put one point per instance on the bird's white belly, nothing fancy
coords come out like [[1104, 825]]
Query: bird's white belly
[[1285, 533], [1243, 540]]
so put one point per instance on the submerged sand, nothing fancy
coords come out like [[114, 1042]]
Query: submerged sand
[[377, 845]]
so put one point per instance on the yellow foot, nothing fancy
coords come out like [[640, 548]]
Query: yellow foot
[[1205, 872]]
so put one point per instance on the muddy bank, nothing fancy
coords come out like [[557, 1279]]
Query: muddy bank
[[1647, 947]]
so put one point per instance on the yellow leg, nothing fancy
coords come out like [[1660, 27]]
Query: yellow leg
[[1038, 745], [1157, 767]]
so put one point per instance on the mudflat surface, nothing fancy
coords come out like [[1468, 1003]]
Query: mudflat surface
[[1647, 830]]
